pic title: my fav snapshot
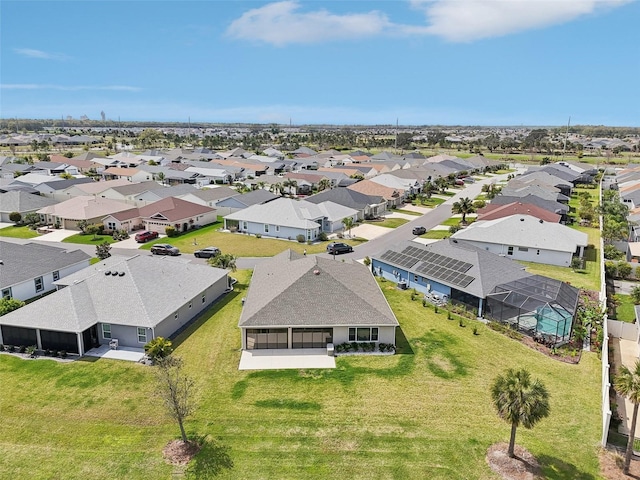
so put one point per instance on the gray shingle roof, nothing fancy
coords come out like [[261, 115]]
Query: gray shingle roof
[[293, 290], [19, 201], [345, 197], [150, 290], [25, 262]]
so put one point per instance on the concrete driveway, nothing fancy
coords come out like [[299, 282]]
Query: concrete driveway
[[56, 235]]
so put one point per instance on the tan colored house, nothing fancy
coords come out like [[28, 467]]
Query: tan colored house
[[94, 188], [129, 174], [393, 196], [67, 214], [176, 213]]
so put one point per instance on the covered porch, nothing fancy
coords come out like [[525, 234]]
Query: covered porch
[[276, 359]]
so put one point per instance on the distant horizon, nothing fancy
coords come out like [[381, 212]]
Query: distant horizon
[[320, 62]]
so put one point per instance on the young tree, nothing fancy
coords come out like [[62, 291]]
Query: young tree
[[348, 224], [92, 229], [519, 400], [15, 217], [464, 206], [627, 384], [103, 250], [158, 348], [176, 389], [223, 260], [635, 295]]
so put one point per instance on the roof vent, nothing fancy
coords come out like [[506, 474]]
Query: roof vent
[[316, 272], [454, 240], [522, 219], [541, 221], [121, 274], [107, 272]]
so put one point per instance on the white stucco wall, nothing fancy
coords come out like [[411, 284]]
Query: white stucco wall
[[549, 257]]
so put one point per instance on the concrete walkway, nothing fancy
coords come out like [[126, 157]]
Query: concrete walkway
[[56, 236], [278, 359]]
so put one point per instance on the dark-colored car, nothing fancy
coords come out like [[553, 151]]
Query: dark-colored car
[[143, 237], [419, 230], [335, 248], [164, 249], [207, 252]]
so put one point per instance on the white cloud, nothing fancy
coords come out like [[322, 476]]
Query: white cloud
[[67, 88], [33, 53], [468, 20], [282, 23]]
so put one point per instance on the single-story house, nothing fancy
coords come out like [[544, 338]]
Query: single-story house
[[493, 211], [368, 206], [240, 201], [126, 173], [393, 196], [67, 214], [492, 286], [132, 300], [29, 270], [297, 301], [21, 202], [524, 237], [288, 218]]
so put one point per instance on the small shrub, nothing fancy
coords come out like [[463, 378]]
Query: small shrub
[[11, 348], [475, 330], [22, 349], [170, 231], [461, 322], [47, 352], [31, 349], [258, 235], [367, 261], [435, 308], [354, 346], [63, 354], [449, 316], [300, 238], [424, 302], [322, 236], [55, 353]]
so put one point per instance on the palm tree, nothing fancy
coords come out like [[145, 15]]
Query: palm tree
[[627, 383], [348, 224], [223, 260], [463, 206], [159, 347], [519, 400], [261, 185], [160, 177], [290, 185], [324, 184]]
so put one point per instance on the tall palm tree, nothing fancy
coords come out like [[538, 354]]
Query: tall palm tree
[[223, 260], [463, 206], [519, 401], [324, 184], [627, 383], [291, 186]]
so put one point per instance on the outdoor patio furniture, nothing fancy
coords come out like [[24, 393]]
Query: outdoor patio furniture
[[113, 344]]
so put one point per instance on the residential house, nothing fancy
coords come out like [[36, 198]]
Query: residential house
[[29, 270], [368, 206], [411, 186], [394, 197], [68, 213], [288, 218], [207, 196], [56, 186], [176, 213], [93, 188], [493, 211], [240, 201], [54, 168], [524, 237], [21, 202], [304, 302], [550, 205], [131, 300], [128, 193], [126, 173]]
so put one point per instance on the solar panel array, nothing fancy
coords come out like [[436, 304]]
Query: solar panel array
[[437, 259], [399, 259], [434, 265]]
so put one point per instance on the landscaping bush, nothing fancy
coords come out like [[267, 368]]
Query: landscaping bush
[[63, 354], [22, 349], [258, 235], [15, 217], [300, 238], [11, 348], [323, 237], [170, 231], [354, 346], [475, 330]]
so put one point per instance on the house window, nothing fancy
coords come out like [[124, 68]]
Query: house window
[[175, 316], [510, 251], [111, 226], [6, 292], [538, 252], [39, 284], [523, 249], [365, 334], [277, 228], [266, 228], [56, 276], [106, 330], [142, 335], [190, 304], [244, 226], [204, 298], [416, 278]]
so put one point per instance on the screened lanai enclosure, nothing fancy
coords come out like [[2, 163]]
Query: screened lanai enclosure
[[541, 307]]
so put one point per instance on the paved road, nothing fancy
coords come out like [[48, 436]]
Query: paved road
[[371, 248]]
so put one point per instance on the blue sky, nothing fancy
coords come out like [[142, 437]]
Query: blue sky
[[423, 62]]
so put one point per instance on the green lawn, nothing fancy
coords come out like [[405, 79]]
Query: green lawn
[[408, 212], [425, 413], [429, 202], [88, 239], [436, 234], [589, 278], [389, 222], [18, 232], [455, 221], [626, 311], [239, 244]]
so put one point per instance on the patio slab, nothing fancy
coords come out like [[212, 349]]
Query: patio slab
[[121, 353], [278, 359]]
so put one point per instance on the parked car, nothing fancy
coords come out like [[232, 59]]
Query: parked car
[[468, 180], [419, 230], [335, 248], [143, 237], [207, 252], [164, 249]]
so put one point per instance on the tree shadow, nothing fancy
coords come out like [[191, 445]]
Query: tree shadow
[[212, 459], [553, 467], [288, 404]]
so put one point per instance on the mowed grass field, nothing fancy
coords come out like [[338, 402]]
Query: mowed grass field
[[422, 413]]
